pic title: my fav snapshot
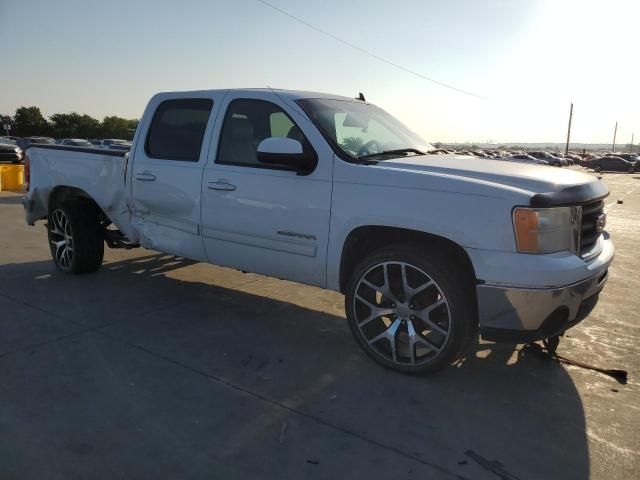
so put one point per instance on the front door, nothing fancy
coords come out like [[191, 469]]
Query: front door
[[264, 218], [166, 176]]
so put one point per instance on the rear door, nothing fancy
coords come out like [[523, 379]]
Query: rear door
[[167, 171], [263, 218]]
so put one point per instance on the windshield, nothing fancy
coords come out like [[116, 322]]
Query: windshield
[[363, 130]]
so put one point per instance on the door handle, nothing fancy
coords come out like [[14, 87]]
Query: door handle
[[146, 177], [221, 185]]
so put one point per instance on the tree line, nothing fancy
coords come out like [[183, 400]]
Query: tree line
[[29, 121]]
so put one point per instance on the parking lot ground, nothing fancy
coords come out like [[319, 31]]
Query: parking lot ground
[[158, 367]]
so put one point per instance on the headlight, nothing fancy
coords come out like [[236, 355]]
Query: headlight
[[547, 230]]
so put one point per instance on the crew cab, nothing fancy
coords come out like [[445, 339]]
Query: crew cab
[[335, 192]]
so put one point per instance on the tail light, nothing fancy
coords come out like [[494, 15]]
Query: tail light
[[27, 172]]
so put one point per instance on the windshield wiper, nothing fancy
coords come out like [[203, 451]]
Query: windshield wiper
[[399, 151]]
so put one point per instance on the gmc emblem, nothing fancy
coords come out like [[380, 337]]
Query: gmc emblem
[[601, 222]]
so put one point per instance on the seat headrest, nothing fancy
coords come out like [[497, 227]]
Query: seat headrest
[[241, 130], [295, 133]]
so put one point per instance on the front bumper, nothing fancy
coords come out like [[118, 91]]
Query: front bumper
[[525, 314]]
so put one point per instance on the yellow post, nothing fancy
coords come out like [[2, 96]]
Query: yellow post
[[11, 177]]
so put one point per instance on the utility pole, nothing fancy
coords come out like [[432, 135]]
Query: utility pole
[[566, 149], [631, 146], [615, 130]]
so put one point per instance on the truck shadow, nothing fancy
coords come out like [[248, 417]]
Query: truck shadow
[[521, 414]]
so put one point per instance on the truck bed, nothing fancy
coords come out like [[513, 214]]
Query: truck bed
[[100, 172]]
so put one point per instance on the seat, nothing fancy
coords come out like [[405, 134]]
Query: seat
[[296, 134], [238, 142]]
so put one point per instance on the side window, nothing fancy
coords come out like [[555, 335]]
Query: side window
[[177, 129], [280, 124], [248, 122]]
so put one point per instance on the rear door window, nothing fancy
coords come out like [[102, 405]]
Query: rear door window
[[177, 129]]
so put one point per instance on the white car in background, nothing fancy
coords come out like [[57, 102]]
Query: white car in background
[[75, 142], [110, 142], [524, 158]]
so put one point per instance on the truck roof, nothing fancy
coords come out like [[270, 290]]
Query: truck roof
[[291, 94]]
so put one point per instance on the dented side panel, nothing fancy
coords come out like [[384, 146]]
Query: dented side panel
[[101, 177]]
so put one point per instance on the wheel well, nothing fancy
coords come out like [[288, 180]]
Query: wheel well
[[364, 240], [65, 194]]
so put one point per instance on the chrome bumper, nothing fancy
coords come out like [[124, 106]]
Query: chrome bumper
[[520, 315]]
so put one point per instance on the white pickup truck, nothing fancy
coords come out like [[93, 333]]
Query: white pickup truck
[[335, 192]]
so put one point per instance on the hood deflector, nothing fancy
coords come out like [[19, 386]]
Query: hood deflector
[[574, 195]]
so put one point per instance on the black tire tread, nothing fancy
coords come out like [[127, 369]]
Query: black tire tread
[[88, 238]]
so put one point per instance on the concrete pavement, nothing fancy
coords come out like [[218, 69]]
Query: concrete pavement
[[157, 367]]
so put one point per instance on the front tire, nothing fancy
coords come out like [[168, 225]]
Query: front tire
[[409, 310], [75, 238]]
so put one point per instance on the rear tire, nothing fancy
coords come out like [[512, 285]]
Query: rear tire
[[75, 237], [597, 168], [411, 310]]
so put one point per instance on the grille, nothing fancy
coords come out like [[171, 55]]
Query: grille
[[589, 235]]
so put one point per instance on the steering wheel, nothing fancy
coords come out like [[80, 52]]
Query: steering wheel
[[366, 148]]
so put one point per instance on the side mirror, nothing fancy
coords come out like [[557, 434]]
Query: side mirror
[[286, 152]]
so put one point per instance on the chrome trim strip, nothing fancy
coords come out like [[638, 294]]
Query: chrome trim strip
[[595, 250]]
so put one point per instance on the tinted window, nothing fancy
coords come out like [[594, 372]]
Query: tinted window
[[246, 124], [177, 129], [359, 128], [280, 124]]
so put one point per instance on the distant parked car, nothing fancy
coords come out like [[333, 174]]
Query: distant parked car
[[120, 146], [76, 142], [551, 159], [575, 157], [524, 158], [107, 142], [10, 152], [568, 158], [614, 164], [26, 142], [630, 157]]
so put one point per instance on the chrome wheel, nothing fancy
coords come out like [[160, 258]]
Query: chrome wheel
[[402, 313], [61, 238]]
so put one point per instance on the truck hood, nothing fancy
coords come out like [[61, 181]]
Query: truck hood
[[547, 184]]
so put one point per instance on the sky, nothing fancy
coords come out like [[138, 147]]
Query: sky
[[528, 59]]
